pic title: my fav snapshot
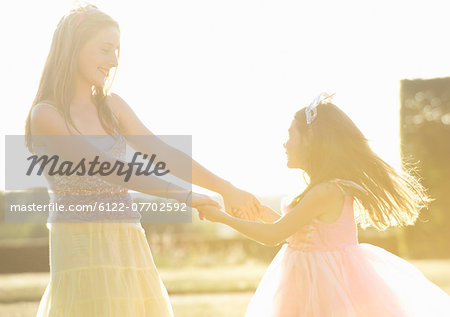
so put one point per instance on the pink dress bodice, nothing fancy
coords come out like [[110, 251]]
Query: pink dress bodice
[[324, 236], [320, 235]]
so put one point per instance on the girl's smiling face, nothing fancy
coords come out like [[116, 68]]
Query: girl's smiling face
[[98, 56], [295, 147]]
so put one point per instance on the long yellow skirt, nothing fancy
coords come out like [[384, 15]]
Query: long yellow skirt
[[102, 269]]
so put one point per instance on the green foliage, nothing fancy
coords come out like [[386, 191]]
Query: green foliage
[[425, 137]]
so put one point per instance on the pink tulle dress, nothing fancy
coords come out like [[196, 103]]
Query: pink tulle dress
[[323, 271]]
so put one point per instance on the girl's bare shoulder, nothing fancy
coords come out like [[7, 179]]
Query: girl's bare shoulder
[[47, 119], [116, 103], [332, 201]]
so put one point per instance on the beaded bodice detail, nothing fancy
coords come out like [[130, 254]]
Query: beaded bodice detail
[[327, 236], [107, 201]]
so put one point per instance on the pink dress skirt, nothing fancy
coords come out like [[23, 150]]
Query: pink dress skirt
[[323, 271]]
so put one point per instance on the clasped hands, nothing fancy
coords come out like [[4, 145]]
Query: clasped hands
[[238, 203]]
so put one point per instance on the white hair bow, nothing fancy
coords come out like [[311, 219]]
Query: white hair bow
[[311, 110]]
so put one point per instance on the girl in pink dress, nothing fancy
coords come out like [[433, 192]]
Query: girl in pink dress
[[322, 270]]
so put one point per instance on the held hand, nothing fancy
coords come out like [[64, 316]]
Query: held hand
[[202, 200], [211, 213], [241, 204]]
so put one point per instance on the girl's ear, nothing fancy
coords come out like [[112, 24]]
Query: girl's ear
[[307, 137]]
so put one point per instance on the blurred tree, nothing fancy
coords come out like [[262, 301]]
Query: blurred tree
[[425, 137]]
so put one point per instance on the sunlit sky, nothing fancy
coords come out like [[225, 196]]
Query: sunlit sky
[[233, 73]]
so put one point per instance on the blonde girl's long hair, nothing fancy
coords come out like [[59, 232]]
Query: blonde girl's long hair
[[339, 150], [56, 85]]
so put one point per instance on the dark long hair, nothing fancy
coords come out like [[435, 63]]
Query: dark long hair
[[338, 149]]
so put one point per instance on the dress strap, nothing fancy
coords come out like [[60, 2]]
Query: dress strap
[[48, 103], [337, 181], [116, 133], [340, 187]]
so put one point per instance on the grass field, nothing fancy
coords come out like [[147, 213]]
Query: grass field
[[188, 305], [194, 291]]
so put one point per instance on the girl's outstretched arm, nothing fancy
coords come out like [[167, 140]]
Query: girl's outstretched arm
[[141, 139], [133, 129], [265, 214], [268, 215], [48, 125], [321, 199]]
